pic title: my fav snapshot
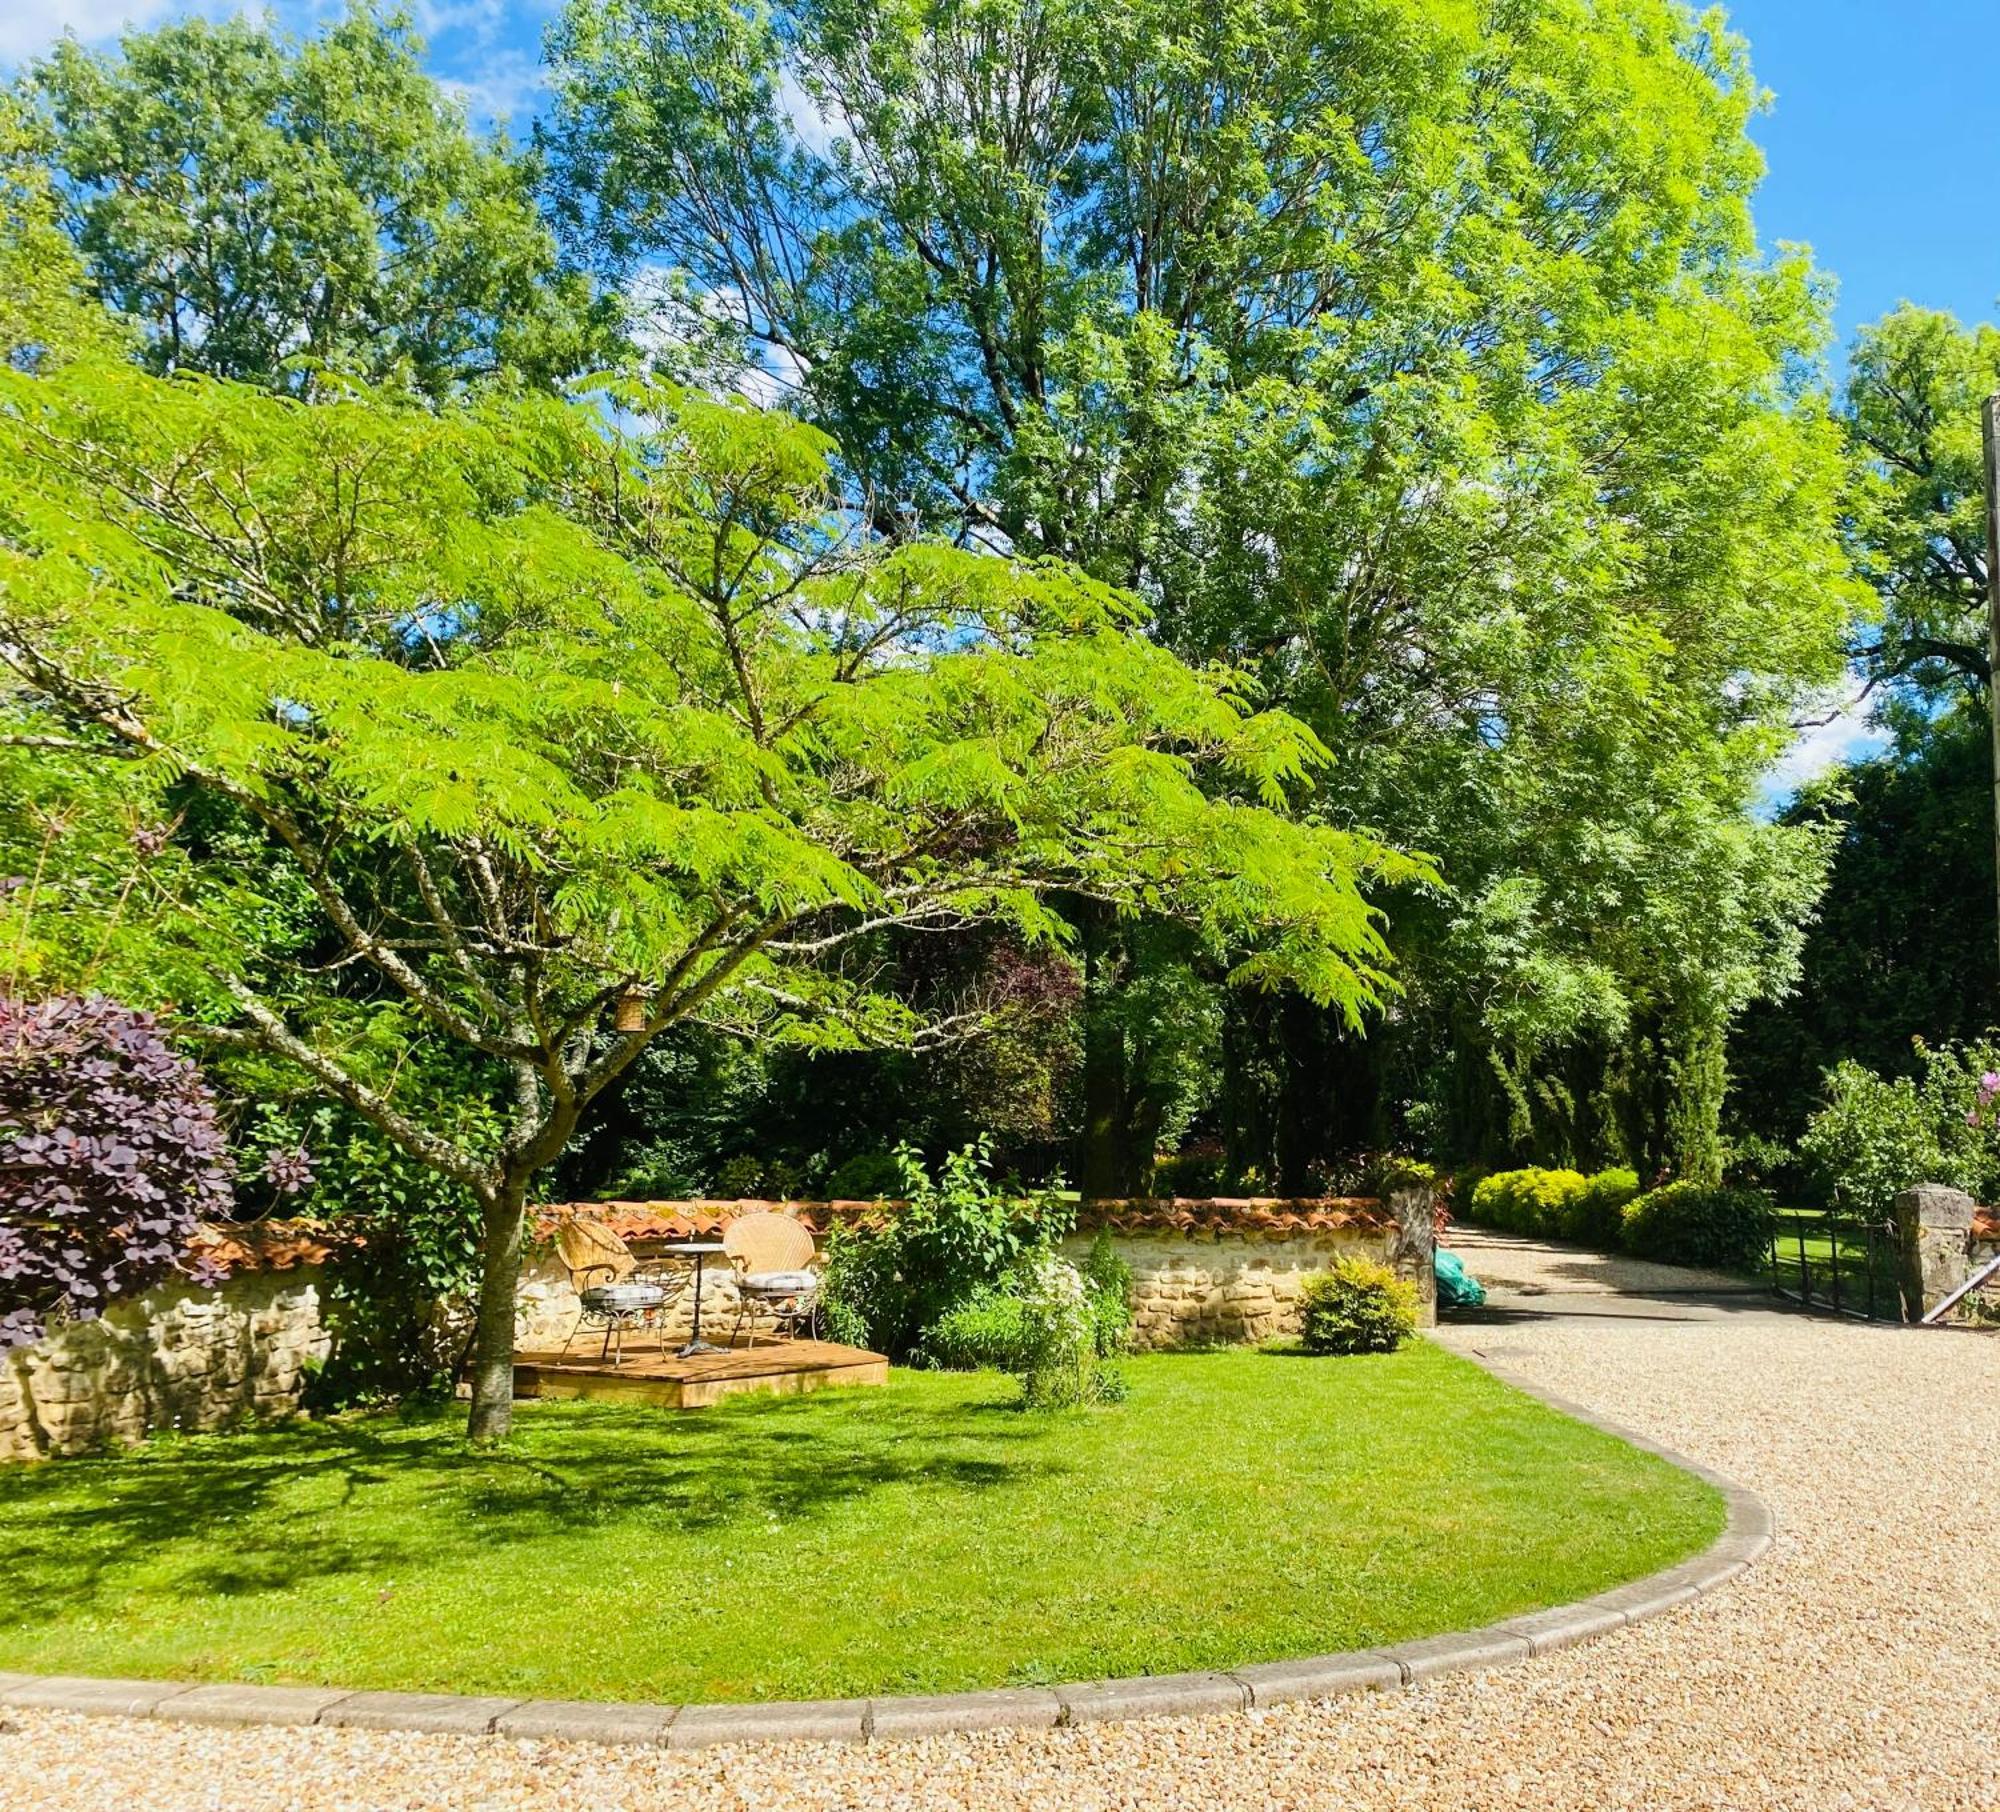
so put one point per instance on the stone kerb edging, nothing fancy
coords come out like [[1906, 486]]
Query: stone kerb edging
[[1745, 1536]]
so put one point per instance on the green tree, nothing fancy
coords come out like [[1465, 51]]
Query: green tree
[[1913, 401], [1416, 357], [259, 205], [1902, 947], [535, 718]]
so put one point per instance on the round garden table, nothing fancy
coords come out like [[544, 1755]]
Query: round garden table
[[698, 1250]]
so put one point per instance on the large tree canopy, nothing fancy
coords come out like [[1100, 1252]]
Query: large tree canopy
[[534, 736], [1415, 355], [260, 206], [1914, 396]]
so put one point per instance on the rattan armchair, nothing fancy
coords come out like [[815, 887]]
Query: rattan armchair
[[614, 1290], [772, 1256]]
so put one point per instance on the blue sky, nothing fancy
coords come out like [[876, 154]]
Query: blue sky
[[1883, 145], [1883, 142]]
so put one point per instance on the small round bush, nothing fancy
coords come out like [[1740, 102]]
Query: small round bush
[[1357, 1307], [1689, 1224], [111, 1154]]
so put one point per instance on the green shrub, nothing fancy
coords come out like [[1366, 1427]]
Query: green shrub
[[1107, 1279], [983, 1332], [1532, 1201], [1357, 1307], [1690, 1224], [958, 1233], [1058, 1363], [1596, 1216], [867, 1177], [1195, 1171]]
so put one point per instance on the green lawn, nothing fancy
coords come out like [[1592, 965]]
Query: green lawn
[[924, 1536]]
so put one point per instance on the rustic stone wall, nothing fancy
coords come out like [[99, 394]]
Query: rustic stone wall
[[1203, 1273], [1202, 1283], [1208, 1290], [177, 1357]]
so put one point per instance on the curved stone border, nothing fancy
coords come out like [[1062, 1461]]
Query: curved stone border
[[1745, 1536]]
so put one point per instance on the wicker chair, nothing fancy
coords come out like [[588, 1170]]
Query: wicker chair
[[771, 1255], [613, 1290]]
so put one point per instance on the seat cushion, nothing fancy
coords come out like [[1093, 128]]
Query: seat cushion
[[623, 1298], [778, 1283]]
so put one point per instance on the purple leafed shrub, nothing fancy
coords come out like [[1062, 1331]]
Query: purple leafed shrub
[[110, 1153]]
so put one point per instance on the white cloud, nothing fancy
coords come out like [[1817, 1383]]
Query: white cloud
[[28, 30], [506, 90], [1844, 736], [816, 130]]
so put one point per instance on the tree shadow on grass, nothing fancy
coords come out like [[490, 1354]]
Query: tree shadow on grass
[[370, 1497]]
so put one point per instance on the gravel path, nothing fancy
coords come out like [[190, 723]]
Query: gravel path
[[1856, 1665]]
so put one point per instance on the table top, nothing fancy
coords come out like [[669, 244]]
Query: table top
[[691, 1245]]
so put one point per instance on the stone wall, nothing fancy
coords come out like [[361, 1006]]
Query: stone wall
[[1204, 1272], [1210, 1290], [178, 1357]]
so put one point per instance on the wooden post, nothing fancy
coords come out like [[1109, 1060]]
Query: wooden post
[[1990, 436]]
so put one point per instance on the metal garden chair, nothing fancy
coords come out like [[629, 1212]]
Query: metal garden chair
[[614, 1290]]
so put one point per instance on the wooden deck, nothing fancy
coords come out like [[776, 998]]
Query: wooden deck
[[651, 1375]]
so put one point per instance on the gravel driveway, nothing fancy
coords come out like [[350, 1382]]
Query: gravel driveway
[[1856, 1665]]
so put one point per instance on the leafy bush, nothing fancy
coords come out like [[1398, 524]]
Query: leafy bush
[[748, 1178], [984, 1331], [405, 1249], [1107, 1279], [1195, 1170], [1556, 1204], [1528, 1201], [866, 1178], [957, 1234], [1596, 1217], [112, 1154], [1878, 1135], [1357, 1307], [1691, 1224], [1058, 1363], [991, 1327], [655, 1170]]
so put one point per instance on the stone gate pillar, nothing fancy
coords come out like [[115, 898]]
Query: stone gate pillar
[[1413, 1253], [1934, 1239]]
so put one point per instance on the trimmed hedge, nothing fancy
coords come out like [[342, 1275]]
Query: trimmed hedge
[[1595, 1218], [1529, 1201], [1556, 1204], [1687, 1224]]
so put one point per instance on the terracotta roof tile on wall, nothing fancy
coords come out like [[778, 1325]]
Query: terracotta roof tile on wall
[[264, 1245], [1213, 1217]]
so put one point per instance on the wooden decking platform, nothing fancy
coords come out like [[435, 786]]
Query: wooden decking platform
[[652, 1375]]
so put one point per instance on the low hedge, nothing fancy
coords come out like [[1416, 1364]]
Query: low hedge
[[1532, 1201], [1689, 1224]]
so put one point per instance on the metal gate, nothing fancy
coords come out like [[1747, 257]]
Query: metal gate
[[1839, 1263]]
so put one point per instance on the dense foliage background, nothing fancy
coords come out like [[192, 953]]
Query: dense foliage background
[[1408, 376]]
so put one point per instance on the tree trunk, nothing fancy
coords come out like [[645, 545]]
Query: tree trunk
[[1100, 1174], [493, 1334]]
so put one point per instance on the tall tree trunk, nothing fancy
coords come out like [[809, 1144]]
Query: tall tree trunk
[[1101, 1171], [493, 1333]]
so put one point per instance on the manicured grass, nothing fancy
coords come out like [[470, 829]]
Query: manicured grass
[[925, 1536]]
